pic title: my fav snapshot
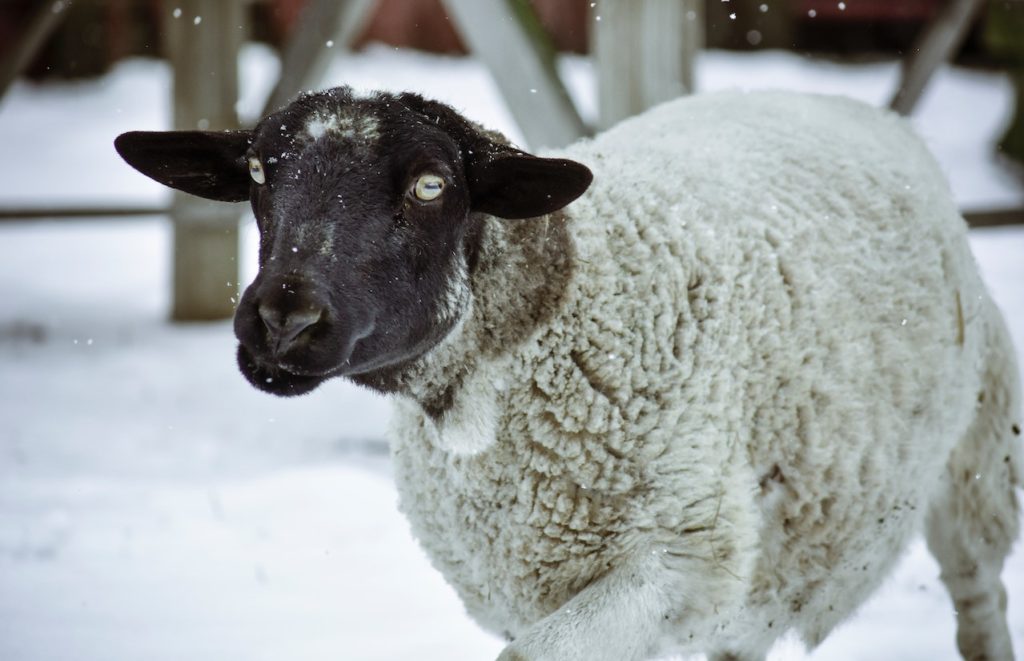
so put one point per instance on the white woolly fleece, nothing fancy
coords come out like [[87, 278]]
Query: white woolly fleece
[[771, 338]]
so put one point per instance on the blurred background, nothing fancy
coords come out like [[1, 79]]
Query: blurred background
[[152, 505]]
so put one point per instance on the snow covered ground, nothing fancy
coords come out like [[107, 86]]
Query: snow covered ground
[[153, 506]]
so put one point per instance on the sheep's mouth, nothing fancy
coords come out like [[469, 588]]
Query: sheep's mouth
[[298, 372], [281, 380]]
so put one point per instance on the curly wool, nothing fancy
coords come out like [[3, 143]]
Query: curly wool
[[747, 353]]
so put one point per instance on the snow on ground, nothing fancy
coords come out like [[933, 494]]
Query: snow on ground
[[153, 506]]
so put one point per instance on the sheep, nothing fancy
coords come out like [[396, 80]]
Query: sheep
[[681, 388]]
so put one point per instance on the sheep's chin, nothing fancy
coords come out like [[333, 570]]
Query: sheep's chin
[[275, 380]]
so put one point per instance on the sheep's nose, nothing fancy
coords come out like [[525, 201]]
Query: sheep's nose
[[285, 327]]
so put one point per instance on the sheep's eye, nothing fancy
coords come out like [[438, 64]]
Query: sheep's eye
[[256, 170], [428, 187]]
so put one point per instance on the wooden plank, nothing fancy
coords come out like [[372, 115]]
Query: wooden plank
[[937, 45], [977, 218], [644, 53], [995, 217], [46, 19], [869, 10], [306, 56], [203, 40], [18, 214], [504, 37]]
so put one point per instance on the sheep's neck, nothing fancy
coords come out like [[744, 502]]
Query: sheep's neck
[[520, 271]]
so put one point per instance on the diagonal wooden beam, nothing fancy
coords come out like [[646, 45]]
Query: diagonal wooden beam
[[46, 19], [306, 55], [937, 45], [507, 39]]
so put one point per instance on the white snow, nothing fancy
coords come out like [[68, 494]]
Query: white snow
[[154, 506]]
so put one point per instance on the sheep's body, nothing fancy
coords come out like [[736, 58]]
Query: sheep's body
[[714, 398], [706, 404]]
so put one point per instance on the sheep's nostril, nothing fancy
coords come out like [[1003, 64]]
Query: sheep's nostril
[[285, 327]]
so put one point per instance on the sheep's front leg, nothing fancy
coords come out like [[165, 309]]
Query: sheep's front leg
[[620, 617]]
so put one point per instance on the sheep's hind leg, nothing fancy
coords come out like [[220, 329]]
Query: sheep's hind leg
[[973, 519]]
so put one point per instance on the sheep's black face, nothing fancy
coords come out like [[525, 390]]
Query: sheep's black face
[[363, 209], [367, 231]]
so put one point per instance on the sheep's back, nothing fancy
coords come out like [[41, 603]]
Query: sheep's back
[[802, 275], [797, 238]]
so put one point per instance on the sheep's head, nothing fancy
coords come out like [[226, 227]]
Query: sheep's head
[[367, 210]]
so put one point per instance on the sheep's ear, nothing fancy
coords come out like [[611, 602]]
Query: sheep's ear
[[518, 185], [504, 181], [209, 164]]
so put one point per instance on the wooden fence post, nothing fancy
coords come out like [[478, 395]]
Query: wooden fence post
[[644, 52], [203, 40]]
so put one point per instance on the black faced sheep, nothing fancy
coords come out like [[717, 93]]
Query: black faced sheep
[[706, 400]]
